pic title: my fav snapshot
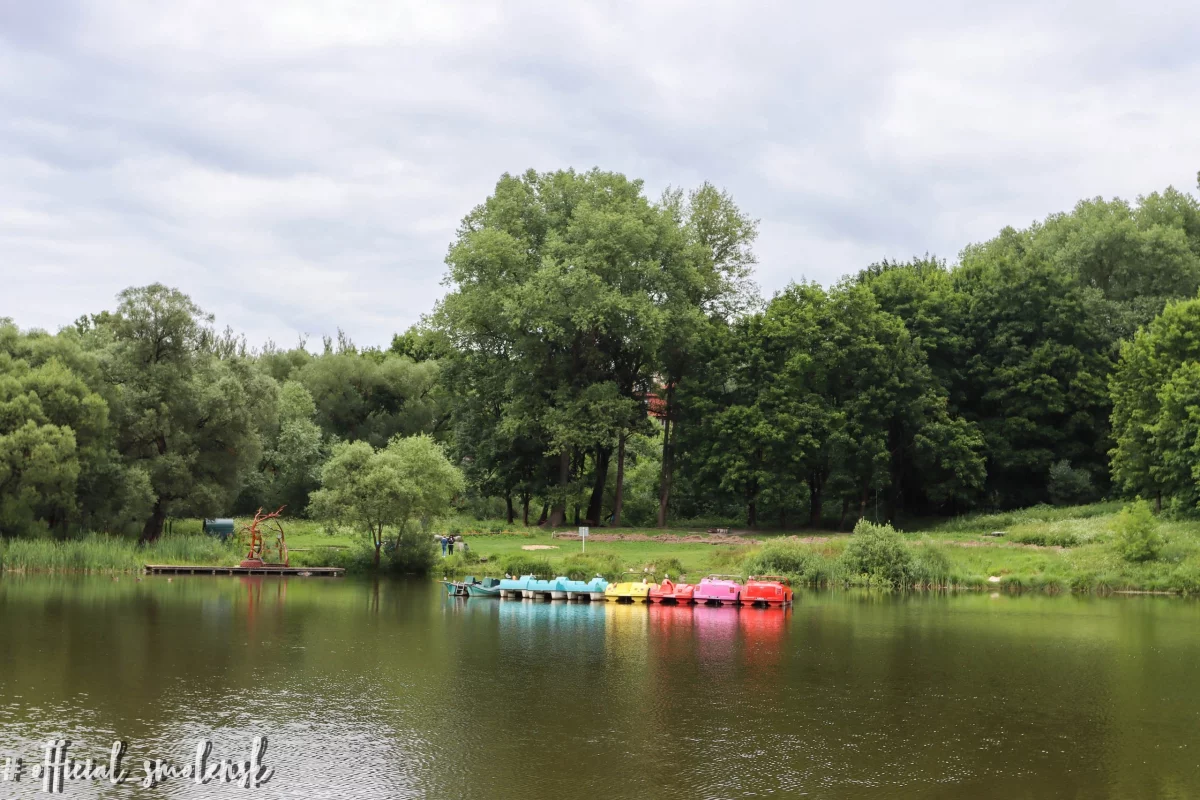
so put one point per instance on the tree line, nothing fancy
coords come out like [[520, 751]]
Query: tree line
[[604, 356]]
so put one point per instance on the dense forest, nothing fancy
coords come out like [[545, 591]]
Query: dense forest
[[602, 355]]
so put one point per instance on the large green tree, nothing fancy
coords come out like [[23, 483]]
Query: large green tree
[[188, 419], [560, 284], [388, 493], [1156, 410]]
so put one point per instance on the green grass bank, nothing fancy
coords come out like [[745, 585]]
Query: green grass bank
[[1047, 549]]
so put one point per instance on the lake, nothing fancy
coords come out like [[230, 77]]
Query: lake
[[390, 689]]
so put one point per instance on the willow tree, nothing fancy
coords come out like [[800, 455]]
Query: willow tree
[[187, 418]]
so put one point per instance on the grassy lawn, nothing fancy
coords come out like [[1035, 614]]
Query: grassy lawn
[[1041, 548]]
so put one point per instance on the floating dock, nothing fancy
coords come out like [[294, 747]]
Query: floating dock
[[304, 572]]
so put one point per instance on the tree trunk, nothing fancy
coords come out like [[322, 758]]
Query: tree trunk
[[845, 511], [512, 515], [558, 514], [664, 489], [545, 511], [596, 504], [862, 502], [378, 545], [525, 509], [814, 515], [154, 525], [619, 499], [752, 513]]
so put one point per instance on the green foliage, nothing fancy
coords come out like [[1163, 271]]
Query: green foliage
[[1045, 537], [521, 564], [1156, 394], [1069, 486], [798, 562], [188, 408], [931, 565], [392, 494], [1136, 533], [1047, 362], [108, 554], [582, 567], [880, 553]]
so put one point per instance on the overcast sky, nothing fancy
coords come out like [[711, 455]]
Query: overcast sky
[[299, 166]]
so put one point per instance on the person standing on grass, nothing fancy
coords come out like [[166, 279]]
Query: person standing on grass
[[443, 541], [451, 545]]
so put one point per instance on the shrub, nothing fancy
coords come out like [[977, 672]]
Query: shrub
[[1069, 486], [799, 562], [931, 566], [519, 564], [879, 552], [780, 558], [1137, 536], [581, 567], [1045, 538], [413, 552]]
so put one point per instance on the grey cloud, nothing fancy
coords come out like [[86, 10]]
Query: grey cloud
[[300, 166]]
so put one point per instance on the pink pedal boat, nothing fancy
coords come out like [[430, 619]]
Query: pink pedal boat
[[719, 590]]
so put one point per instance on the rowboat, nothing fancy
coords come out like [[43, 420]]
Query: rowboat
[[456, 588], [670, 592], [767, 590], [471, 586], [488, 587], [719, 590], [628, 591]]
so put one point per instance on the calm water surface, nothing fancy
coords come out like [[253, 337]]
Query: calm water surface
[[391, 690]]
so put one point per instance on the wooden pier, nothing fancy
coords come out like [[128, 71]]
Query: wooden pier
[[304, 572]]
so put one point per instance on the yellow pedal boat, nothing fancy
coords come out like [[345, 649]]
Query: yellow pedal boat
[[628, 591]]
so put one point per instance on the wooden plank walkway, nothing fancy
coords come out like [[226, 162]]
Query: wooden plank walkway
[[316, 572]]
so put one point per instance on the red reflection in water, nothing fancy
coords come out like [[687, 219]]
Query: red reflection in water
[[255, 586], [763, 632]]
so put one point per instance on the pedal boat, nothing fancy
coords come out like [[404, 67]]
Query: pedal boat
[[515, 587], [552, 589], [669, 592], [585, 590], [628, 591], [719, 590], [767, 590]]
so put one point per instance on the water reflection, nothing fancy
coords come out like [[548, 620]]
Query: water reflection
[[847, 695]]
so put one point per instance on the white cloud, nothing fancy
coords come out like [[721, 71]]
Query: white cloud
[[302, 166]]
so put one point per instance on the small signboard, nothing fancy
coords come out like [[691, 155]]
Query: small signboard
[[583, 533]]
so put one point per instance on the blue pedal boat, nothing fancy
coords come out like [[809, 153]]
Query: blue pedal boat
[[552, 589], [585, 590], [515, 587]]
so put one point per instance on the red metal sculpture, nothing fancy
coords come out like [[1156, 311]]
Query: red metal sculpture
[[259, 549]]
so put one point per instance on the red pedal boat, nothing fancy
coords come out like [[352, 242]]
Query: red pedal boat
[[767, 590], [670, 592]]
